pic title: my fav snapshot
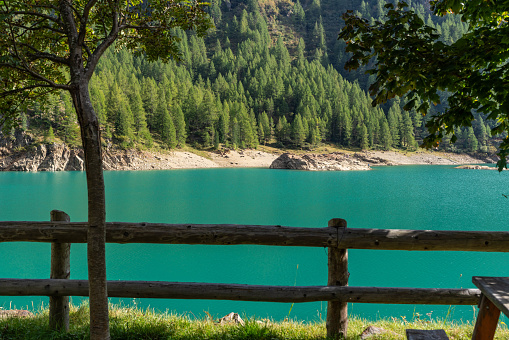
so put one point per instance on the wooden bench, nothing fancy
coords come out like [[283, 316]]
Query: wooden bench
[[419, 334], [494, 299]]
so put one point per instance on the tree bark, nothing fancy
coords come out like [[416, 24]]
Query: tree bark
[[96, 236]]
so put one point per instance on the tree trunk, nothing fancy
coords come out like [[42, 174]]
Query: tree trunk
[[96, 251]]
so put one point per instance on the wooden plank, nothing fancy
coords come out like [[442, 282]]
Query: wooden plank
[[337, 311], [237, 292], [213, 234], [420, 334], [60, 269], [223, 234], [496, 289], [487, 320]]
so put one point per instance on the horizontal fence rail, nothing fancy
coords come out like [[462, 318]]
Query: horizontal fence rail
[[240, 292], [337, 238], [230, 234]]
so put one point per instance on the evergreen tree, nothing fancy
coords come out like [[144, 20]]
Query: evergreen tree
[[124, 125], [407, 131], [266, 127], [50, 135], [298, 134], [235, 133], [282, 131], [394, 118], [385, 138], [159, 114], [363, 137], [139, 119], [261, 134], [168, 133], [471, 142], [299, 14], [180, 127]]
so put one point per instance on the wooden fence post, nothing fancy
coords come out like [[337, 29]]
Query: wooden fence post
[[60, 269], [337, 312]]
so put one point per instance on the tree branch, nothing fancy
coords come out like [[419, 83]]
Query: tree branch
[[31, 87], [84, 20], [36, 76], [103, 46], [34, 28], [41, 15], [69, 24], [44, 55]]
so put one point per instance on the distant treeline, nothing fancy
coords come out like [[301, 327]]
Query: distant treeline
[[268, 73]]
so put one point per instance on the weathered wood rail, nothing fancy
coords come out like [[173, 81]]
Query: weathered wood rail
[[242, 292], [232, 234], [336, 237]]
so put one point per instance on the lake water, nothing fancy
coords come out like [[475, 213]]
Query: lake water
[[404, 197]]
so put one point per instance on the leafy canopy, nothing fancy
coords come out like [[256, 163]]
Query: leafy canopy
[[408, 58], [41, 40]]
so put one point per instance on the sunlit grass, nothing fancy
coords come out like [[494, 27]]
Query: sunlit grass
[[134, 323]]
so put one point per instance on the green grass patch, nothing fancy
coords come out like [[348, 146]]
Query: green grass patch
[[133, 323]]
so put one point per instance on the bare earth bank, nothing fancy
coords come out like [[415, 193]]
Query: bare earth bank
[[145, 160]]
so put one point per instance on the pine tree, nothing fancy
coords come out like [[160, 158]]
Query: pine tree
[[407, 131], [150, 101], [113, 101], [471, 142], [298, 134], [386, 138], [50, 136], [261, 133], [235, 133], [363, 137], [299, 14], [282, 134], [168, 133], [124, 125], [394, 118], [266, 126], [216, 140], [346, 127], [139, 119], [314, 133], [98, 102], [180, 127]]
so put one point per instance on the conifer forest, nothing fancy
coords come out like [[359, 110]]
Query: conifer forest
[[270, 72]]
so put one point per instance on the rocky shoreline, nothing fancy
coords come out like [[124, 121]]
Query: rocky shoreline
[[24, 154], [478, 167], [336, 161]]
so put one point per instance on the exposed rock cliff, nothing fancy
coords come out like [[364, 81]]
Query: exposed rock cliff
[[336, 161], [22, 154]]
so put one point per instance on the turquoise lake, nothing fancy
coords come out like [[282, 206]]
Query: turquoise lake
[[403, 197]]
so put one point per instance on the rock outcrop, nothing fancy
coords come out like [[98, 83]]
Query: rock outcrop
[[477, 167], [15, 313], [22, 154], [336, 161]]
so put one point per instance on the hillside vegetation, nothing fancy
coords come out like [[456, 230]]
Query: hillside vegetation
[[271, 72]]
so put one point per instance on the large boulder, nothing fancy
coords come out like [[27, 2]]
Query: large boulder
[[336, 161]]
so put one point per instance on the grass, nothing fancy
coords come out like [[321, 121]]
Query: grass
[[133, 323]]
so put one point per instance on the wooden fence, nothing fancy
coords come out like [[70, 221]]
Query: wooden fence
[[336, 237]]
